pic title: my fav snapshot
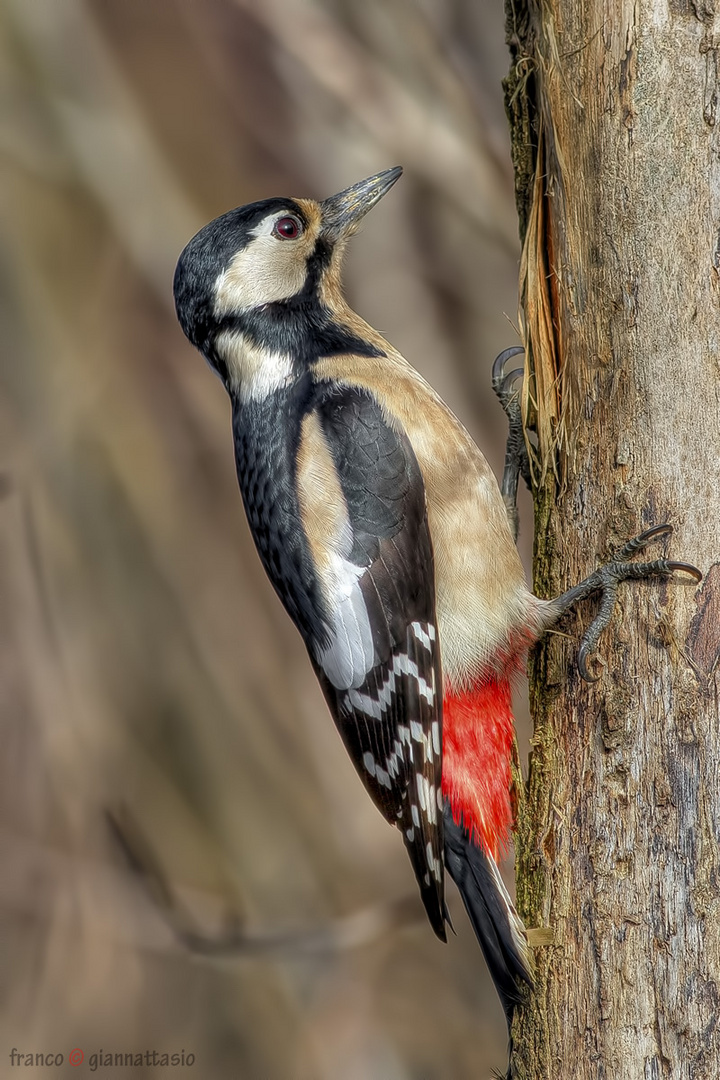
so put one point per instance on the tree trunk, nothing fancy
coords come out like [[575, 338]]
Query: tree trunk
[[616, 103]]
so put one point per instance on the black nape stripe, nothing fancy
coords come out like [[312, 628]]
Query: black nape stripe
[[301, 327]]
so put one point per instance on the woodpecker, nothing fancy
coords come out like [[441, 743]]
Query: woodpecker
[[387, 538]]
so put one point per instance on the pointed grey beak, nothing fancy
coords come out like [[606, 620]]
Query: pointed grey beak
[[342, 213]]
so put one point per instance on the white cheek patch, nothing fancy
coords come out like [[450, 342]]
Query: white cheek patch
[[265, 271]]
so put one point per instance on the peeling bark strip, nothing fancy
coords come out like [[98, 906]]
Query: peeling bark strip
[[703, 641], [619, 828]]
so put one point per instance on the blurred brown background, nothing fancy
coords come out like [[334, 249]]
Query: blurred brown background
[[145, 664]]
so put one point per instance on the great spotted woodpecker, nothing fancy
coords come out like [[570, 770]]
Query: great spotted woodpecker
[[386, 537]]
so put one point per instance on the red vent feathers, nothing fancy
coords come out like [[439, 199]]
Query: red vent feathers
[[477, 744]]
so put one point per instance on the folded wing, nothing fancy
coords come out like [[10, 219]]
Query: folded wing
[[362, 505]]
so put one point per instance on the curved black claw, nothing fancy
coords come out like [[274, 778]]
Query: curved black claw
[[498, 368], [641, 541], [583, 653], [685, 568], [507, 385]]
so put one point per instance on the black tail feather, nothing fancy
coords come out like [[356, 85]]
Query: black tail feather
[[497, 925]]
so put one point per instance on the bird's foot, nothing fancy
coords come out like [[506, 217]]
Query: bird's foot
[[517, 463], [606, 579]]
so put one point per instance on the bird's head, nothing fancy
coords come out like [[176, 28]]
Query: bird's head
[[268, 260]]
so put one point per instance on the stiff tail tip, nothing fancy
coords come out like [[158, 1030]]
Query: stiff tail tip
[[497, 925]]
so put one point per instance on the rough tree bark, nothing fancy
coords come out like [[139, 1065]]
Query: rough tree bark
[[616, 103]]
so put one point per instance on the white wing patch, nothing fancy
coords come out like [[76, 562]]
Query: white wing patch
[[349, 654], [349, 657]]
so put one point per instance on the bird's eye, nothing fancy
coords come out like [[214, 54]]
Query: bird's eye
[[287, 228]]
